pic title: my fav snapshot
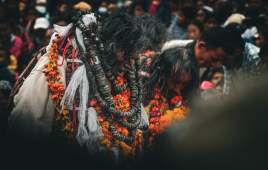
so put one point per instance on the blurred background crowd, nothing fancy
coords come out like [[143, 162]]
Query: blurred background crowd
[[27, 25]]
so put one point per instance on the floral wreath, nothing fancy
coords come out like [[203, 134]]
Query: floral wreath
[[160, 117]]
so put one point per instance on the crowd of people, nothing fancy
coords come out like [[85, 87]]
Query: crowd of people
[[106, 68]]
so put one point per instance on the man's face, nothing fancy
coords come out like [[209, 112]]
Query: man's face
[[176, 86], [208, 58], [122, 63], [63, 8], [199, 4], [201, 15]]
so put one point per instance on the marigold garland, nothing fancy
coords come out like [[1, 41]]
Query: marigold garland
[[122, 102], [56, 88], [160, 117]]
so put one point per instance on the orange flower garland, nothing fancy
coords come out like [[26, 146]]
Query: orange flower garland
[[56, 88], [160, 117], [122, 102]]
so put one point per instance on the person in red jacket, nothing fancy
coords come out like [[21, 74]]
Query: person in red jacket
[[9, 40]]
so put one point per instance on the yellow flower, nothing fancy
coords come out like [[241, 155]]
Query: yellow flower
[[126, 150]]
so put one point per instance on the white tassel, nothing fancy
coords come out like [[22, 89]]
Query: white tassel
[[71, 89], [95, 131], [144, 118], [82, 134]]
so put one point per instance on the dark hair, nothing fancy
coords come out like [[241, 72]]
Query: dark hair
[[252, 11], [24, 59], [172, 60], [154, 31], [236, 38], [121, 31], [187, 12], [220, 83], [199, 25], [12, 14], [62, 3], [134, 4], [212, 15], [225, 11], [217, 37], [264, 33], [7, 54], [57, 19], [214, 70], [205, 1], [204, 10], [31, 28], [5, 22]]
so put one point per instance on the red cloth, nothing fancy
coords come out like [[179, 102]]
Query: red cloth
[[153, 7], [17, 48], [206, 84], [62, 42]]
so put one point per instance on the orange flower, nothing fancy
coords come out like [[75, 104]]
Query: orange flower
[[119, 129], [105, 124], [65, 117], [93, 103], [153, 119], [175, 100], [125, 132], [155, 109], [165, 121], [151, 127], [100, 119]]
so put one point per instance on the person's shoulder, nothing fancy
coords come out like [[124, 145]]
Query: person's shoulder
[[252, 50], [175, 43]]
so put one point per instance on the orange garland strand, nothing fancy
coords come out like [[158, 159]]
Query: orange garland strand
[[56, 88], [122, 102]]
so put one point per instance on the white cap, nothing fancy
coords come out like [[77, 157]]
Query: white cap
[[41, 2], [41, 23], [127, 3]]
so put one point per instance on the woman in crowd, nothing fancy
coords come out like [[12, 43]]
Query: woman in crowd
[[212, 20], [175, 73], [202, 13], [195, 29], [137, 9]]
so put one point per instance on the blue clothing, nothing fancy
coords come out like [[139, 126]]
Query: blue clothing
[[176, 32], [249, 71]]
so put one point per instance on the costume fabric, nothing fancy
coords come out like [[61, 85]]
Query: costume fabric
[[33, 114]]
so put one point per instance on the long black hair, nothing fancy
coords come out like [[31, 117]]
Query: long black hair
[[120, 31], [172, 60], [154, 31]]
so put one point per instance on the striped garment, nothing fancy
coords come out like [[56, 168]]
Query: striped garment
[[250, 69]]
